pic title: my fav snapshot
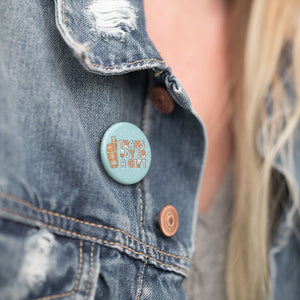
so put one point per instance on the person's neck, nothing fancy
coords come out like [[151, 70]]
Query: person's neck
[[182, 9], [192, 39]]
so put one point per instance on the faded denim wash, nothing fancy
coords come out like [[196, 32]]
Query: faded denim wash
[[69, 70], [68, 229]]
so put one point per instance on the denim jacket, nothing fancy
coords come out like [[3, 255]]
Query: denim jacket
[[69, 70]]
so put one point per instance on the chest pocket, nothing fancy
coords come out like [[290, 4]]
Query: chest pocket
[[45, 265]]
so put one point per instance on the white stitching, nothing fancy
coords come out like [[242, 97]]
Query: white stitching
[[14, 199], [82, 236], [142, 278]]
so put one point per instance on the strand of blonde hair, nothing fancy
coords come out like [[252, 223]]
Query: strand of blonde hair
[[269, 25]]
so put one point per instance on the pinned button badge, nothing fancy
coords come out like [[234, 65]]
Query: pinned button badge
[[125, 153]]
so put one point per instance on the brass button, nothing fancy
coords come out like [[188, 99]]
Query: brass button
[[168, 220], [161, 100]]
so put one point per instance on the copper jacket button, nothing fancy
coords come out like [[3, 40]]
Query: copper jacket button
[[161, 100], [168, 220]]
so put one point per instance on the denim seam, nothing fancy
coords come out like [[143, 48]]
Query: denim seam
[[87, 237], [141, 203], [14, 199], [63, 4], [139, 184], [144, 114], [130, 63], [79, 272], [142, 278], [91, 271]]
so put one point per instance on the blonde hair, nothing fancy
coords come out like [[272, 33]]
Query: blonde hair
[[259, 31]]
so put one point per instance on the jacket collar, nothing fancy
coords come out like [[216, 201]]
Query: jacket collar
[[108, 36]]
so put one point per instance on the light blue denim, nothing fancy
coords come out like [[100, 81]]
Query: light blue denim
[[284, 248], [69, 70], [68, 230]]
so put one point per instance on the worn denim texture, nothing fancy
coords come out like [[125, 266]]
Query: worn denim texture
[[69, 70], [284, 249], [68, 229]]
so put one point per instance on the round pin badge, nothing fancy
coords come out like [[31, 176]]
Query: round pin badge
[[125, 153]]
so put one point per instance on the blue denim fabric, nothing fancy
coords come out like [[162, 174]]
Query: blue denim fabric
[[69, 70], [284, 249], [68, 230]]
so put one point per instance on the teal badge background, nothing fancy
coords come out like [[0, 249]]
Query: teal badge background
[[123, 173]]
